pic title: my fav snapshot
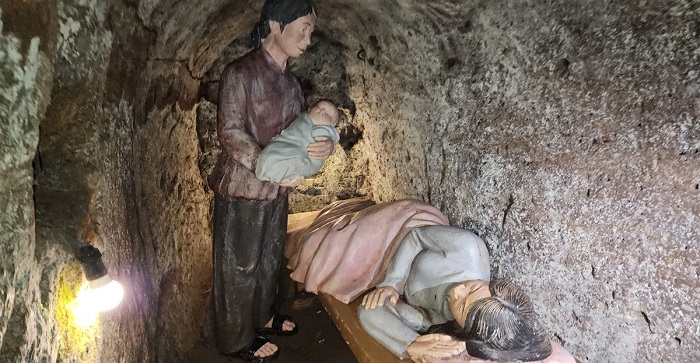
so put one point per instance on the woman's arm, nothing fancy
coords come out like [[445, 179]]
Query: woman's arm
[[232, 113], [322, 149]]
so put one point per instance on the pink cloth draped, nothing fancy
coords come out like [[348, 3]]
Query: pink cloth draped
[[347, 248]]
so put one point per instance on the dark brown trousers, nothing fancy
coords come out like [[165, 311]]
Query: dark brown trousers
[[249, 238]]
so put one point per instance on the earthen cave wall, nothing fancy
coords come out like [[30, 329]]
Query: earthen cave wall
[[565, 134]]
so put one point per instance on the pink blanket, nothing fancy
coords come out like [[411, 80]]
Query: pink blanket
[[346, 250]]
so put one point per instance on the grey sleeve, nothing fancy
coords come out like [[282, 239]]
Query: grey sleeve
[[395, 327], [400, 265]]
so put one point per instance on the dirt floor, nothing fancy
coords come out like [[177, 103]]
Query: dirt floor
[[317, 341]]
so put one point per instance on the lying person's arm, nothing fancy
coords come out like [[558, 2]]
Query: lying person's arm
[[397, 326], [435, 346], [400, 265], [450, 243]]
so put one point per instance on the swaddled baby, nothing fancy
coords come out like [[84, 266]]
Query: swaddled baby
[[285, 157]]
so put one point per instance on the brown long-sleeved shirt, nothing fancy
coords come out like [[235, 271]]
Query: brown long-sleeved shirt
[[257, 100]]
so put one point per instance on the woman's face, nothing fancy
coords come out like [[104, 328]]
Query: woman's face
[[296, 35], [464, 295]]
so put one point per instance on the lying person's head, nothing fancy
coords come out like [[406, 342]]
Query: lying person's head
[[499, 321], [324, 112]]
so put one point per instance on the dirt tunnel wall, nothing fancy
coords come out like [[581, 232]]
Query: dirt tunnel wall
[[566, 134]]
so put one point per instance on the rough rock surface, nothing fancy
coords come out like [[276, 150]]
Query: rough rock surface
[[566, 134], [27, 334]]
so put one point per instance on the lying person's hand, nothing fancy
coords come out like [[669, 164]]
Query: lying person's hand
[[435, 346], [379, 295], [322, 149], [292, 183]]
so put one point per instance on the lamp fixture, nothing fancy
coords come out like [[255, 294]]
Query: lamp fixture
[[103, 293]]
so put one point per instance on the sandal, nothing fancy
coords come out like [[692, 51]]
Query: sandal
[[278, 325], [248, 353]]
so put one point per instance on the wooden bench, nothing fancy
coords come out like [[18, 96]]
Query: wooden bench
[[344, 316]]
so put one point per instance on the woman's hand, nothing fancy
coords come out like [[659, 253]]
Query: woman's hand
[[379, 295], [291, 183], [435, 346], [322, 149]]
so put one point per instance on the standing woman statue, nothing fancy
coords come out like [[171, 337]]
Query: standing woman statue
[[258, 98]]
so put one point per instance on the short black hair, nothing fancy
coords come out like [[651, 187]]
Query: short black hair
[[282, 11], [505, 327]]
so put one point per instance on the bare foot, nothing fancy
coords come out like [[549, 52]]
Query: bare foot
[[287, 325], [263, 349], [266, 350]]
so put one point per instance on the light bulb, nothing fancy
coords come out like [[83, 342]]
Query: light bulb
[[102, 294], [84, 309], [106, 293], [92, 300]]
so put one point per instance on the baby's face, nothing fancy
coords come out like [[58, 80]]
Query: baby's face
[[324, 113]]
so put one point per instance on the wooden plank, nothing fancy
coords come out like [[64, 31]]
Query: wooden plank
[[365, 348]]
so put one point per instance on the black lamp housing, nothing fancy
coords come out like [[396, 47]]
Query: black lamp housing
[[91, 260]]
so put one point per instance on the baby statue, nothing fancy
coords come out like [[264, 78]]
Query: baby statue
[[286, 157]]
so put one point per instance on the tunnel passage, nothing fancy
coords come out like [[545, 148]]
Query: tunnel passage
[[565, 134]]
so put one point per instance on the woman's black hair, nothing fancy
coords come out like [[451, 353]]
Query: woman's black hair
[[504, 327], [282, 11]]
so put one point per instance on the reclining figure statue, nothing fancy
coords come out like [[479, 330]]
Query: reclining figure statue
[[424, 273]]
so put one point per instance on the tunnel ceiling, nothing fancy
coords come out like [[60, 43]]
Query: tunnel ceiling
[[198, 33]]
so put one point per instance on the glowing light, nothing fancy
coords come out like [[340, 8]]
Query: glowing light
[[106, 293], [95, 296], [84, 311], [101, 293]]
